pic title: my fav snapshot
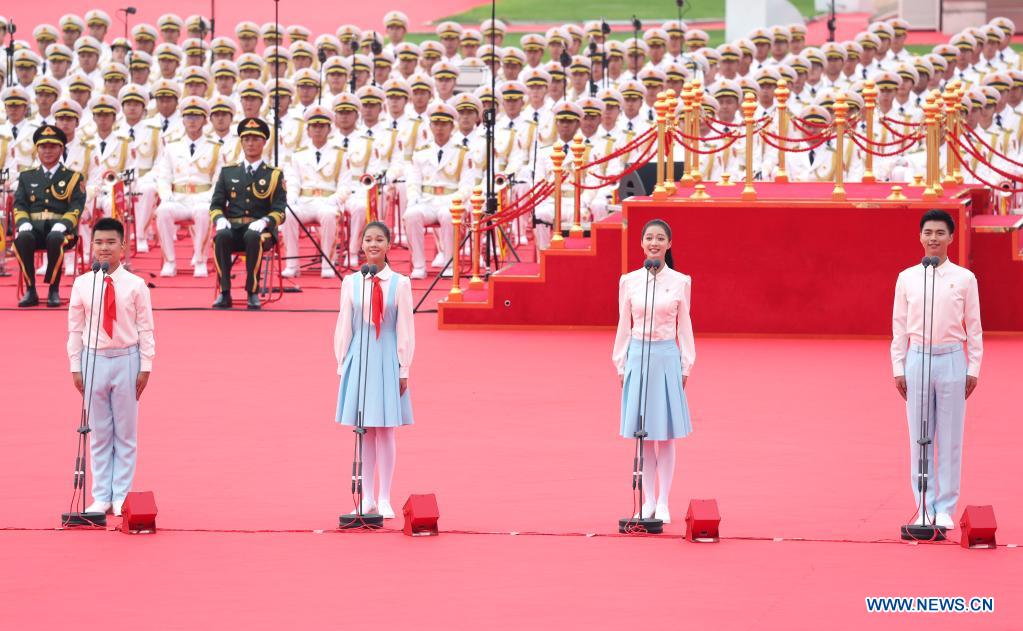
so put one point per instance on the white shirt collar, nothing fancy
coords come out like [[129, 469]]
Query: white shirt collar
[[253, 165]]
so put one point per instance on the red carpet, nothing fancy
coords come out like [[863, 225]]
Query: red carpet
[[516, 432]]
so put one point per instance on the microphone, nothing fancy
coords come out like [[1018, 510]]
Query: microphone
[[364, 269], [95, 266], [655, 264], [373, 269], [322, 55], [130, 10], [648, 263], [105, 267]]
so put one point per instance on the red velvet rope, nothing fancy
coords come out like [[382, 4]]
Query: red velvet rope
[[966, 165], [632, 168], [507, 215], [888, 119], [881, 154], [898, 135], [878, 143], [799, 123], [679, 135], [972, 132], [731, 142], [973, 152], [793, 149], [646, 136], [741, 123], [778, 138]]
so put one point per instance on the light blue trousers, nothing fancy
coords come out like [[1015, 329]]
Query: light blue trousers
[[945, 405], [113, 418]]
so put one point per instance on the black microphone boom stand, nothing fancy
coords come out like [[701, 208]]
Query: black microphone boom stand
[[927, 530], [79, 517], [638, 524], [358, 519]]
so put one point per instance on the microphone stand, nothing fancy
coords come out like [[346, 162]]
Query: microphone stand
[[79, 517], [358, 519], [637, 523], [925, 531], [11, 28], [5, 219], [605, 28]]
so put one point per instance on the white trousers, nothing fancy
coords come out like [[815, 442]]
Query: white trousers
[[319, 210], [113, 418], [945, 405], [355, 206], [428, 211], [184, 207]]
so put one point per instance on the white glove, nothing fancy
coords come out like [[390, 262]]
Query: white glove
[[59, 228], [25, 227], [258, 225], [223, 224]]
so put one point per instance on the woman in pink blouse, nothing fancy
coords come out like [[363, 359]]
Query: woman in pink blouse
[[380, 308], [671, 357]]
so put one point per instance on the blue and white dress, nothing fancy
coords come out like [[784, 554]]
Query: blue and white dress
[[672, 353], [389, 355]]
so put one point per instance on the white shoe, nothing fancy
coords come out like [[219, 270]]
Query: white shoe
[[98, 507], [290, 272], [200, 270], [368, 507], [945, 520], [169, 269], [418, 274], [385, 509], [326, 272], [523, 239], [922, 519], [142, 246], [447, 273], [439, 260], [118, 505], [648, 512], [663, 513], [69, 266]]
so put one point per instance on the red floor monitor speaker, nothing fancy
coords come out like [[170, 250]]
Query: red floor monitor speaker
[[421, 515], [978, 524], [139, 512], [702, 521]]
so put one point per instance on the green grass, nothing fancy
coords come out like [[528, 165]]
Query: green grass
[[546, 11], [716, 37]]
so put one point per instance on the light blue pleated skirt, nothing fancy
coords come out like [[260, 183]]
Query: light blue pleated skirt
[[667, 413]]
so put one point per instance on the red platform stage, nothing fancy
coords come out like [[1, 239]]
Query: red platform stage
[[791, 262]]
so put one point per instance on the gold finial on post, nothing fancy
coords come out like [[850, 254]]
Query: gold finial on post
[[896, 194], [749, 106], [781, 95], [869, 105], [578, 149], [476, 201], [558, 158], [457, 213], [841, 109]]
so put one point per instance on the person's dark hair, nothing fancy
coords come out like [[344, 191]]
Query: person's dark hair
[[379, 225], [109, 223], [669, 260], [938, 215]]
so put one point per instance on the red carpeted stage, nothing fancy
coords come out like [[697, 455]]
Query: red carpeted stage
[[803, 264], [517, 434]]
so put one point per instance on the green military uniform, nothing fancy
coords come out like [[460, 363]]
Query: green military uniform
[[243, 198], [42, 202]]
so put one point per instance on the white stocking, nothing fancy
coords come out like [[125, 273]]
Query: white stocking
[[385, 460], [649, 470], [369, 461], [665, 469]]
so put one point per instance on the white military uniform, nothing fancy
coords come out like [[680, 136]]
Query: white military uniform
[[435, 176], [313, 176], [361, 157], [185, 181], [147, 145]]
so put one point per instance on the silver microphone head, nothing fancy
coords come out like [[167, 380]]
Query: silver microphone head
[[648, 263], [105, 267], [656, 263], [364, 269], [926, 261], [95, 266], [373, 269]]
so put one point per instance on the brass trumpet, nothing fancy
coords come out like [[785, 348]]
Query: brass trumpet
[[500, 182], [367, 179]]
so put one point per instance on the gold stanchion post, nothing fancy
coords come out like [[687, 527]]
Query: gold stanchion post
[[578, 149], [457, 212], [659, 191], [781, 95], [930, 126], [671, 124], [476, 201], [869, 105], [558, 158], [841, 109], [694, 127], [687, 108], [749, 106]]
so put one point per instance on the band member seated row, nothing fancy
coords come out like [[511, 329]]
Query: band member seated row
[[248, 205], [185, 173], [439, 172], [312, 176], [48, 202]]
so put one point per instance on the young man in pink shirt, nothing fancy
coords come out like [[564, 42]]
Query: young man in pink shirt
[[951, 372]]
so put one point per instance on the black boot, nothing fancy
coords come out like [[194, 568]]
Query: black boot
[[253, 302], [223, 301], [53, 298], [31, 298]]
